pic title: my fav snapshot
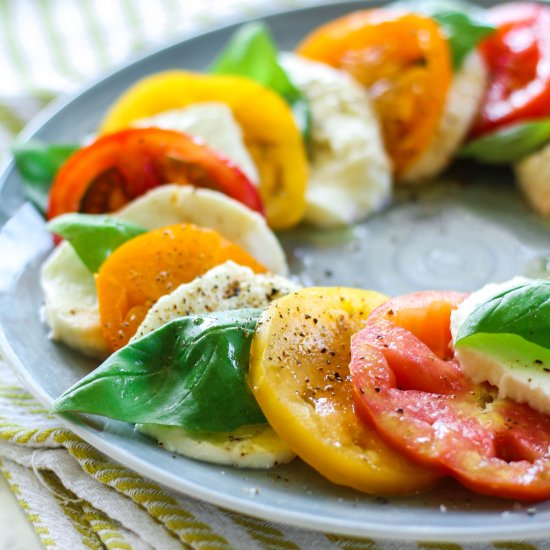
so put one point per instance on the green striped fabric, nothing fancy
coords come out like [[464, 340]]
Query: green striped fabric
[[51, 47]]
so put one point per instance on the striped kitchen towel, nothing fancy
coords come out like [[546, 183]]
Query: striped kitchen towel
[[77, 498], [51, 47]]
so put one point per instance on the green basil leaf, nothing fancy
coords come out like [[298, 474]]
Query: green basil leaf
[[522, 309], [463, 23], [509, 144], [94, 237], [38, 164], [464, 33], [251, 52], [192, 372]]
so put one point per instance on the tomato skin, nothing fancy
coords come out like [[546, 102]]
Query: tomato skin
[[421, 403], [119, 167], [518, 58]]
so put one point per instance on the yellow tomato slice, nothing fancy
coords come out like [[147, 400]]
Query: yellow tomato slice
[[299, 374], [404, 62], [269, 130]]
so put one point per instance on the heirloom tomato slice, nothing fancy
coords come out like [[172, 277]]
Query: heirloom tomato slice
[[409, 385], [299, 363], [404, 62], [518, 58], [268, 126], [115, 169], [153, 264]]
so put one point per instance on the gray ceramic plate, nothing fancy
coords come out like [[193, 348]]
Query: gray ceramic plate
[[460, 233]]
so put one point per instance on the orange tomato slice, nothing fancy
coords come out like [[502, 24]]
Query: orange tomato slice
[[151, 265], [268, 126], [403, 60], [299, 373]]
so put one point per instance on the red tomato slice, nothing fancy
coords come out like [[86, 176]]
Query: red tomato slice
[[121, 166], [414, 392], [518, 58]]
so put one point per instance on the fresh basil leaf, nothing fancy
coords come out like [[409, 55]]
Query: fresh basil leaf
[[510, 144], [94, 237], [463, 23], [464, 33], [522, 310], [192, 372], [38, 164], [251, 52]]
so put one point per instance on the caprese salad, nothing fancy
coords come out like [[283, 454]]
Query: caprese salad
[[167, 268]]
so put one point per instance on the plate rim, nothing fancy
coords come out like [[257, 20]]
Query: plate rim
[[174, 482]]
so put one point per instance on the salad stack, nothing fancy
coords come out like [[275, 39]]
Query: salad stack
[[167, 268]]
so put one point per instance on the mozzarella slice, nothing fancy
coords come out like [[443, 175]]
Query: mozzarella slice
[[71, 307], [533, 177], [248, 447], [515, 379], [212, 123], [227, 286], [350, 174], [462, 105]]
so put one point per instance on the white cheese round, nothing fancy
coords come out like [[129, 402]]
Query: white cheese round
[[516, 381], [350, 173], [514, 375], [533, 177], [70, 303], [227, 286], [461, 107], [210, 123], [171, 204]]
